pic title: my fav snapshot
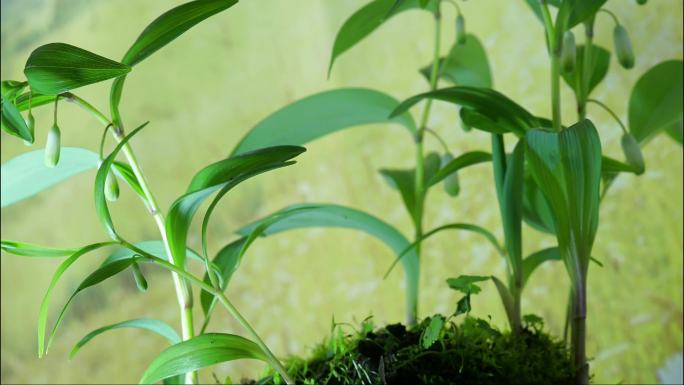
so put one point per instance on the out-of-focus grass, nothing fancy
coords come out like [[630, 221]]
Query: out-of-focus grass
[[204, 92]]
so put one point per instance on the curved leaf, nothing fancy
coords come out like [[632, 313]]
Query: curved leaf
[[55, 68], [36, 100], [42, 314], [224, 174], [366, 20], [536, 210], [153, 325], [466, 283], [154, 247], [507, 301], [655, 103], [30, 250], [462, 161], [511, 209], [27, 175], [102, 172], [12, 121], [490, 103], [532, 261], [327, 215], [321, 114], [200, 352], [599, 62], [465, 65], [227, 261]]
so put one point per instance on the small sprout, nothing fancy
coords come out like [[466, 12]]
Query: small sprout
[[140, 280], [432, 333], [451, 183], [568, 52], [460, 29], [111, 188], [463, 306], [52, 146], [623, 47], [632, 151]]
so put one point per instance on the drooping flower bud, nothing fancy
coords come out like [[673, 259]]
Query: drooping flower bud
[[632, 151], [623, 47], [568, 52], [31, 124], [140, 280], [52, 146], [451, 183], [111, 187], [460, 29]]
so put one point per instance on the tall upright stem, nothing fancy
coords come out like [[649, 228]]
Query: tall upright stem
[[587, 69], [552, 39]]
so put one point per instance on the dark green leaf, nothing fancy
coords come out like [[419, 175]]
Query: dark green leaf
[[460, 162], [613, 166], [321, 114], [536, 210], [532, 261], [200, 352], [432, 332], [656, 100], [153, 325], [29, 250], [535, 5], [37, 100], [463, 305], [599, 63], [125, 172], [100, 179], [55, 68], [676, 131], [12, 121], [466, 283], [27, 175], [9, 89], [465, 65], [511, 208]]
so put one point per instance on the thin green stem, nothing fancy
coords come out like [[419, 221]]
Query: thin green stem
[[439, 138], [587, 69], [605, 107], [554, 53], [615, 19]]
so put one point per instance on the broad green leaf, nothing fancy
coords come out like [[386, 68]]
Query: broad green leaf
[[655, 103], [676, 131], [495, 106], [224, 175], [55, 68], [321, 114], [36, 100], [200, 352], [465, 65], [432, 332], [466, 283], [599, 63], [326, 215], [43, 313], [536, 210], [27, 175], [532, 261], [30, 250], [366, 20], [511, 209], [12, 121], [462, 161], [582, 10], [153, 325], [100, 200]]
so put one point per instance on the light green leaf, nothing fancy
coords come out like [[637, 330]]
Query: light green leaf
[[9, 89], [27, 175], [154, 247], [656, 100], [100, 179], [326, 215], [498, 108], [460, 162], [366, 20], [25, 100], [200, 352], [322, 114], [12, 121], [43, 313], [153, 325], [511, 209], [507, 301], [222, 175], [466, 283], [55, 68], [30, 250], [432, 332], [125, 172], [465, 65], [599, 63]]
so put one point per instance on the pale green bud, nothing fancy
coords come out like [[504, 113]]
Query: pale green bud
[[111, 187], [623, 47], [52, 146], [140, 280], [568, 52], [632, 151], [460, 29], [451, 183]]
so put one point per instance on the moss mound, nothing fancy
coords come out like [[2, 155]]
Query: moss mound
[[436, 351]]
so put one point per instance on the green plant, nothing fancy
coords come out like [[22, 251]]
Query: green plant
[[53, 71]]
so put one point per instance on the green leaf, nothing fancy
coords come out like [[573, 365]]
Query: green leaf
[[153, 325], [12, 121], [366, 20], [655, 103], [599, 63], [225, 175], [432, 332], [676, 131], [511, 208], [36, 100], [321, 114], [535, 5], [466, 283], [532, 261], [27, 175], [460, 162], [55, 68], [498, 108], [507, 301], [200, 352], [326, 215], [30, 250], [227, 261], [581, 10], [536, 210], [100, 179], [9, 89], [42, 314], [463, 305], [154, 247], [465, 65], [125, 172]]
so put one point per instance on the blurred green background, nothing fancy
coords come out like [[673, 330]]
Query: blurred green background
[[208, 88]]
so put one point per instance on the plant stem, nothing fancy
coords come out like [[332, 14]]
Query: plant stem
[[554, 53], [578, 329], [613, 114], [183, 293], [586, 69]]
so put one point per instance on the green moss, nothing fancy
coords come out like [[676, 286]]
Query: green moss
[[472, 352]]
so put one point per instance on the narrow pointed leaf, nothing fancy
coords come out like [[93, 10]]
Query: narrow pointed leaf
[[153, 325], [55, 68], [460, 162], [532, 261], [200, 352], [506, 300], [12, 121], [30, 250], [36, 100], [511, 209], [322, 114], [125, 172], [465, 65], [227, 261], [27, 175]]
